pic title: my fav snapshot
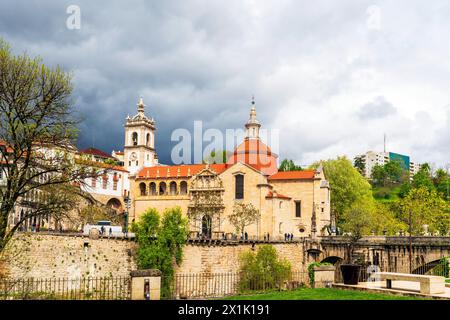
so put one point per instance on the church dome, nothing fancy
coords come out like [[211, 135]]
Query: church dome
[[256, 154], [253, 151]]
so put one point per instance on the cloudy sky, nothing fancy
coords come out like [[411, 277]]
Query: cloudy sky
[[332, 76]]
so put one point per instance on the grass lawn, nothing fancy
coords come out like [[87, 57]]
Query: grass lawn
[[321, 294]]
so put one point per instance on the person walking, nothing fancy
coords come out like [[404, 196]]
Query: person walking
[[110, 231]]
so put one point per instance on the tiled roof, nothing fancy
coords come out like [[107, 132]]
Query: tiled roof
[[256, 154], [96, 152], [100, 165], [181, 171], [293, 175], [277, 195], [253, 146]]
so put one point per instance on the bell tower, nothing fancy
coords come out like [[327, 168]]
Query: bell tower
[[139, 149]]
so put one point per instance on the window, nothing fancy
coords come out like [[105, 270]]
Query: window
[[129, 163], [173, 188], [148, 140], [162, 188], [183, 187], [298, 209], [143, 188], [152, 188], [105, 181], [239, 186], [134, 138]]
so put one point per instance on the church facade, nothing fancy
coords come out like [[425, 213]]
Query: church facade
[[295, 202]]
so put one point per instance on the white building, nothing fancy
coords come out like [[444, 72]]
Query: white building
[[371, 159]]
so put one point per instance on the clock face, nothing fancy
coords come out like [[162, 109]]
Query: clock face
[[133, 156]]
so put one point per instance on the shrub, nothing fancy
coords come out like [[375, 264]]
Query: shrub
[[311, 270], [263, 270]]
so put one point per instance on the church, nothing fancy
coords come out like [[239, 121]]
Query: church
[[293, 202]]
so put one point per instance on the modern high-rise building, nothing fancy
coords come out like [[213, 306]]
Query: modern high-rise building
[[372, 158]]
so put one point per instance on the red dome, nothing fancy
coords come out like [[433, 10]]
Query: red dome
[[256, 154]]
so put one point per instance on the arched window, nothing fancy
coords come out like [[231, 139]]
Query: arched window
[[162, 188], [152, 188], [148, 140], [143, 189], [173, 188], [183, 187], [134, 138], [239, 186]]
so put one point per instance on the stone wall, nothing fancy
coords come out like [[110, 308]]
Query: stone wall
[[199, 258], [56, 256]]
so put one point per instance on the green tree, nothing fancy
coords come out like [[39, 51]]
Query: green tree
[[263, 270], [394, 171], [36, 114], [160, 242], [379, 175], [289, 165], [347, 185], [358, 220], [423, 178], [360, 165], [423, 207]]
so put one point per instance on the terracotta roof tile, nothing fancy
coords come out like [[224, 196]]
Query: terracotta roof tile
[[96, 152], [181, 171], [293, 175]]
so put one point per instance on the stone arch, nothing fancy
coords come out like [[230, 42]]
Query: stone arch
[[147, 140], [115, 204], [134, 138], [183, 187], [152, 189], [333, 260], [173, 188], [162, 188], [143, 189]]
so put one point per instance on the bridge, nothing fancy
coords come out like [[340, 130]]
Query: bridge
[[391, 254]]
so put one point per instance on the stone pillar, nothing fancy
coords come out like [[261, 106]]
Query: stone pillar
[[323, 276], [145, 284]]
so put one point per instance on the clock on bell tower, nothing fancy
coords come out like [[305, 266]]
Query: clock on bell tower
[[139, 149]]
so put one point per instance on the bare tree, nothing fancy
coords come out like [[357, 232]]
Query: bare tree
[[37, 132], [243, 215]]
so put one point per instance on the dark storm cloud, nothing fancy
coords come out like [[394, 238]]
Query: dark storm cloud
[[203, 60]]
